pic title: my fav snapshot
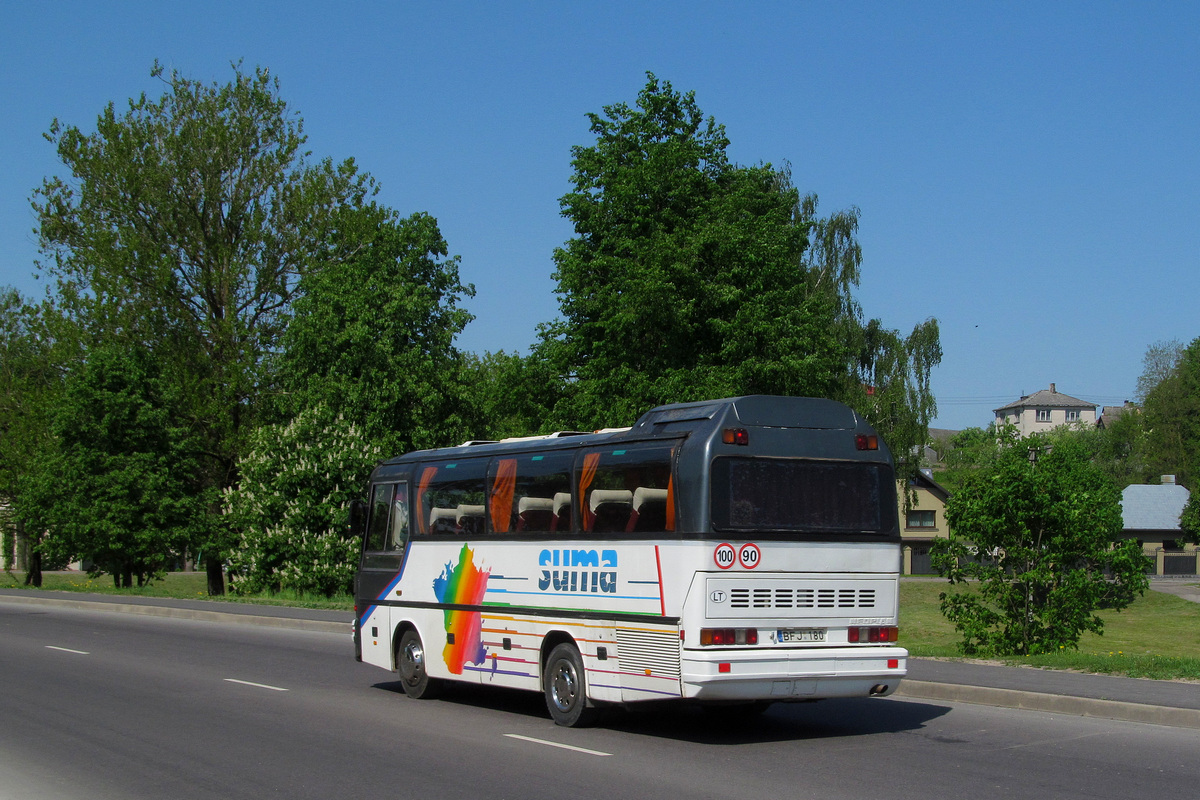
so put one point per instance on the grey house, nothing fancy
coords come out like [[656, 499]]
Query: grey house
[[1151, 517], [1041, 411]]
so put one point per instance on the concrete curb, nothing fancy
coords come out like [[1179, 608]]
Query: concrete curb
[[319, 626], [1052, 703]]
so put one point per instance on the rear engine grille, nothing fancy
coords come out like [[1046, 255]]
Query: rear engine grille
[[787, 597]]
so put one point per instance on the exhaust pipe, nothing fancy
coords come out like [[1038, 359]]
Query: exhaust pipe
[[879, 688]]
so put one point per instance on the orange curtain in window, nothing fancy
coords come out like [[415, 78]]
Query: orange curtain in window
[[426, 479], [670, 504], [590, 462], [502, 494]]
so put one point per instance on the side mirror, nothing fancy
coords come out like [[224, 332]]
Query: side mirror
[[358, 518]]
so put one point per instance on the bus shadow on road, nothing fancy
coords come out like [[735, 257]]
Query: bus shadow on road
[[781, 722], [493, 698]]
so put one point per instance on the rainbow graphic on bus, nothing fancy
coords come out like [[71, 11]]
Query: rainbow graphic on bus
[[463, 584]]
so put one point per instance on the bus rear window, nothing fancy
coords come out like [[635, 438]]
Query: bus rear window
[[766, 494]]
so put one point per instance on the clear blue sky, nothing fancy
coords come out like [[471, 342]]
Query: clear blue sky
[[1028, 173]]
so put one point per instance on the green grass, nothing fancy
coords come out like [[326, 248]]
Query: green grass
[[1158, 636], [176, 585]]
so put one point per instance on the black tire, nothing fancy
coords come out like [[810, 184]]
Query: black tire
[[566, 689], [410, 663]]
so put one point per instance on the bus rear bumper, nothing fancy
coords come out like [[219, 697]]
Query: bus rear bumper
[[806, 674]]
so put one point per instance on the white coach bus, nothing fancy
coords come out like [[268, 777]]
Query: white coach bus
[[734, 552]]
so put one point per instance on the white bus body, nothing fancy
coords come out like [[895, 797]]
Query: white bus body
[[523, 590]]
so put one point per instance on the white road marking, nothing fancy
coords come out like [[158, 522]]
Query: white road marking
[[68, 650], [258, 685], [557, 744]]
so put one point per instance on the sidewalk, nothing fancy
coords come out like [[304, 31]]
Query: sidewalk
[[1157, 702]]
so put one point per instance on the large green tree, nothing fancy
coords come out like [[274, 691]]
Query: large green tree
[[368, 368], [692, 277], [183, 226], [37, 347], [372, 334], [1035, 533], [110, 487]]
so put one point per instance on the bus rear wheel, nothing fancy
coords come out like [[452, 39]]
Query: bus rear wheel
[[566, 689], [410, 662]]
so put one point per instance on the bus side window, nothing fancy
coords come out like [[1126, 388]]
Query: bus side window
[[450, 499], [525, 490], [387, 526], [377, 523], [398, 530], [627, 489]]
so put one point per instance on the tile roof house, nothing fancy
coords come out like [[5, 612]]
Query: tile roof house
[[1044, 410], [1150, 515], [1110, 414]]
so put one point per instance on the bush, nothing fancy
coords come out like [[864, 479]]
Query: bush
[[289, 512]]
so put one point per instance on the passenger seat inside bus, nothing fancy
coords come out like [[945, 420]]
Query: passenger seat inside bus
[[443, 520], [468, 520], [611, 509], [649, 510], [562, 512], [535, 514]]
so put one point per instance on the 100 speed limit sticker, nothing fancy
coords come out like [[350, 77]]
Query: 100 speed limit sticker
[[747, 556]]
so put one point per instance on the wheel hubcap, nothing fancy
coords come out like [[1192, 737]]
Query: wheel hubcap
[[564, 687], [414, 660]]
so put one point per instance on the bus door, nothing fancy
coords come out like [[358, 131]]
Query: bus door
[[384, 547]]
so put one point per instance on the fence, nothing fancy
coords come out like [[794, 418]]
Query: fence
[[1176, 563]]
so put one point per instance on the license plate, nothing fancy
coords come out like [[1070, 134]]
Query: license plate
[[801, 635]]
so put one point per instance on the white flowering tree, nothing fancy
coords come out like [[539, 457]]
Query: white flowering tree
[[289, 511]]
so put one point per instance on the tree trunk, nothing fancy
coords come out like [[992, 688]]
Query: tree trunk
[[22, 547], [216, 576], [33, 576]]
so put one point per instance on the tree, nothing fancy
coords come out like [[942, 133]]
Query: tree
[[690, 277], [1172, 420], [1158, 364], [510, 395], [183, 228], [1117, 448], [37, 345], [1189, 520], [111, 487], [372, 335], [1037, 531]]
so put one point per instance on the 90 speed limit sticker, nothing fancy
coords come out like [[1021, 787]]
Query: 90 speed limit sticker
[[747, 556]]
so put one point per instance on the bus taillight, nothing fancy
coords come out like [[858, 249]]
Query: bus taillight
[[728, 636], [739, 436], [865, 442], [873, 635]]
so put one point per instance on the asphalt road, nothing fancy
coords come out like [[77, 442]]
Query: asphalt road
[[101, 705]]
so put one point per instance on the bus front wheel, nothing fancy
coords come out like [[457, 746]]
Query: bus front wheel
[[566, 690], [410, 662]]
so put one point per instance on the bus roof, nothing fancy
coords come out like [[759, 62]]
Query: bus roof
[[672, 421]]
